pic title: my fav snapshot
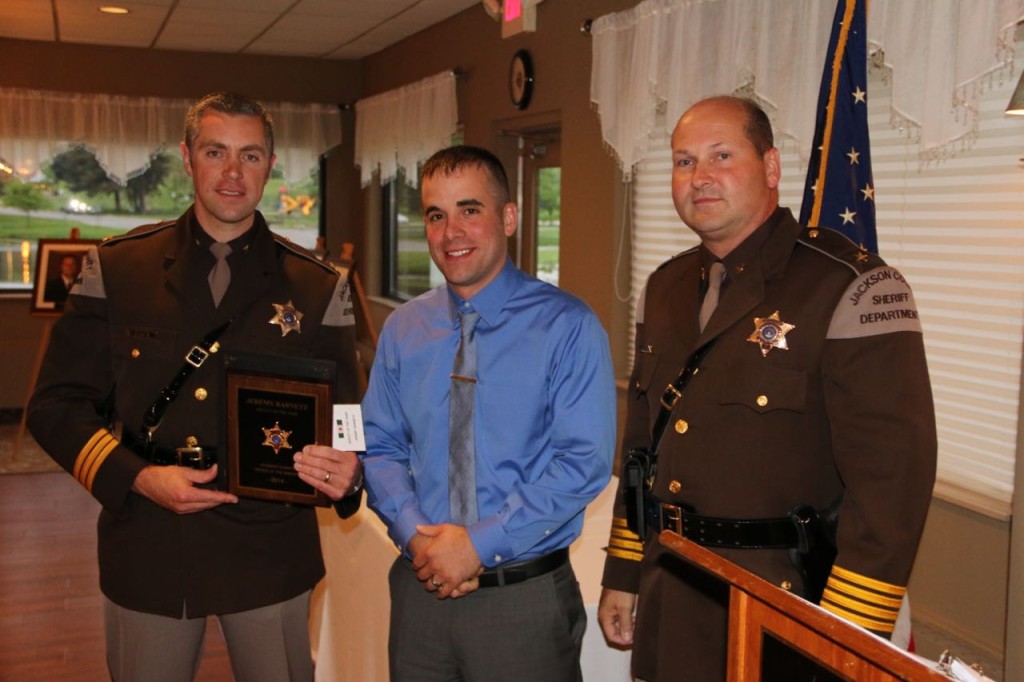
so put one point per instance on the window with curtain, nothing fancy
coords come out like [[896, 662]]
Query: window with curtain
[[104, 164], [955, 229], [395, 132], [408, 270]]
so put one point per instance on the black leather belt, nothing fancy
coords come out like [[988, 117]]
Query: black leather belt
[[518, 571], [191, 455], [711, 531]]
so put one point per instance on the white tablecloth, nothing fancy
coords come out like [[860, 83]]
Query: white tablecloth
[[350, 611]]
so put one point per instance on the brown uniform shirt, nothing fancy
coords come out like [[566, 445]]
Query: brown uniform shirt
[[143, 301], [842, 409]]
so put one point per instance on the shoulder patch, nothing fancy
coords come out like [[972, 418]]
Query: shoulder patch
[[878, 302], [340, 312], [90, 280], [295, 249], [840, 248]]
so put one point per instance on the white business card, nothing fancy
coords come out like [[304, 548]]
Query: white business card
[[348, 428]]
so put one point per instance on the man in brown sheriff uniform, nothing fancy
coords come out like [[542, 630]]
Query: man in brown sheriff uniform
[[173, 546], [810, 389]]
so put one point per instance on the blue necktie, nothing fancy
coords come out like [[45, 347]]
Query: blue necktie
[[461, 446]]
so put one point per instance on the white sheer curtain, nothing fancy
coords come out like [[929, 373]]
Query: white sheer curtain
[[124, 132], [404, 126], [671, 53]]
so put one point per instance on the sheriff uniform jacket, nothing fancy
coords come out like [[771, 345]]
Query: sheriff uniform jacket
[[837, 406], [143, 301]]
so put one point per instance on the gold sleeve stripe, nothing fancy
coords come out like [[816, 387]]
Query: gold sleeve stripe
[[832, 597], [622, 554], [627, 544], [84, 453], [864, 595], [620, 528], [92, 460], [108, 447], [624, 533], [92, 456], [870, 583], [877, 626]]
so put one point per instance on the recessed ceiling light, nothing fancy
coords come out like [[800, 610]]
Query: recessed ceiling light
[[113, 9]]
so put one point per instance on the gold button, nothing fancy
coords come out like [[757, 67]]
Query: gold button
[[786, 585], [191, 442], [136, 352], [682, 426], [200, 393], [674, 487], [812, 234], [762, 400]]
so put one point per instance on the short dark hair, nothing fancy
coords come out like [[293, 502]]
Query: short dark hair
[[232, 104], [448, 161], [758, 128]]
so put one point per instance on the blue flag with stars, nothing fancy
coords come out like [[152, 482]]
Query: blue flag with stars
[[839, 191]]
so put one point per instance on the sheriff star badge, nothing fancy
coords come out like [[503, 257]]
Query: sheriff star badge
[[276, 438], [287, 317], [770, 332]]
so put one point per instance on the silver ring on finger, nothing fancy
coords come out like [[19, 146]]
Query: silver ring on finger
[[327, 477], [433, 581]]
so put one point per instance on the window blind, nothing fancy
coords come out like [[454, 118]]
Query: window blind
[[956, 231]]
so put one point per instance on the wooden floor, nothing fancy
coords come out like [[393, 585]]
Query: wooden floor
[[51, 611]]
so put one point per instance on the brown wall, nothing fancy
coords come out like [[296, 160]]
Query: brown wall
[[167, 73]]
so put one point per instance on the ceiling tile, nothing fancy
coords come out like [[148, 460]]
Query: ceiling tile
[[213, 30], [27, 19], [338, 29], [82, 22]]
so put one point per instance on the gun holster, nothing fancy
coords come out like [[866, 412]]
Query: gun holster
[[638, 469], [816, 549]]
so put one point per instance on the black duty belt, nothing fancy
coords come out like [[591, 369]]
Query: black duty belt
[[191, 455], [517, 572], [778, 533]]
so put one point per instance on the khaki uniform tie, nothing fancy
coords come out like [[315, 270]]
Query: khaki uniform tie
[[715, 276], [220, 274]]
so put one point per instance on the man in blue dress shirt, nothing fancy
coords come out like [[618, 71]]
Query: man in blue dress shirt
[[493, 598]]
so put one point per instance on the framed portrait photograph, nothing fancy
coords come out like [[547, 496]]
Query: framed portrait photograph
[[58, 266]]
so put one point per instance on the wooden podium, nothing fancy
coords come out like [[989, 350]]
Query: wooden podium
[[764, 618]]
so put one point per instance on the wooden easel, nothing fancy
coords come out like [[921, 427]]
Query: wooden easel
[[44, 343], [345, 264], [348, 261]]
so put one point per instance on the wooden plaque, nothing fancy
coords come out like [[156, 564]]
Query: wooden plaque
[[273, 413]]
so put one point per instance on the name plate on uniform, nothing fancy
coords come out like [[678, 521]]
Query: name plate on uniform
[[275, 407]]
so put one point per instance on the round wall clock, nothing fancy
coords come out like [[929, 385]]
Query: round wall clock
[[520, 79]]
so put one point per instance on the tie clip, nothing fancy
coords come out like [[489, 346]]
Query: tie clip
[[458, 377]]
